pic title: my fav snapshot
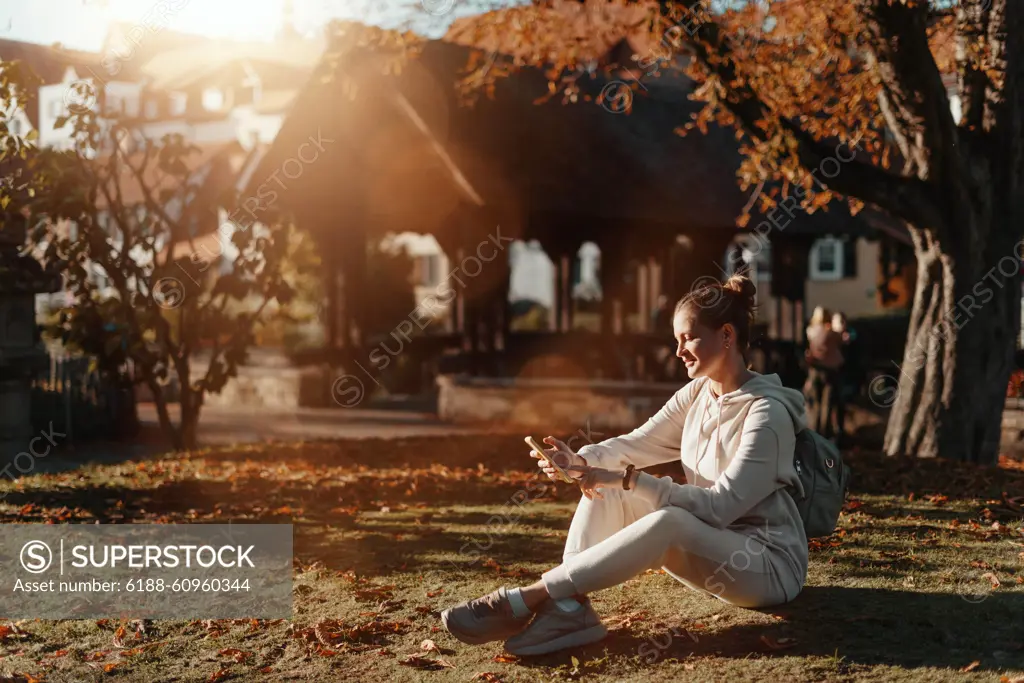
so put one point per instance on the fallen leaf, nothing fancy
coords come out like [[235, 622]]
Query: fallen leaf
[[428, 645], [972, 666], [778, 643], [434, 594], [505, 659], [107, 668], [119, 637], [59, 653], [267, 670], [235, 654], [993, 579], [487, 677], [218, 675]]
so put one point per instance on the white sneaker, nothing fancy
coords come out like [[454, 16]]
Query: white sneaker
[[554, 629]]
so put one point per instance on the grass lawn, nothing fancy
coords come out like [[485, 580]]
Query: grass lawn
[[388, 533]]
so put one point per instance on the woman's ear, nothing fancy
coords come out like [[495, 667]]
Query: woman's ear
[[728, 335]]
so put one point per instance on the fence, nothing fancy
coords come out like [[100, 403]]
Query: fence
[[82, 402]]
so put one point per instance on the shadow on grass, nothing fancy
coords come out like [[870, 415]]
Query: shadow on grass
[[854, 625]]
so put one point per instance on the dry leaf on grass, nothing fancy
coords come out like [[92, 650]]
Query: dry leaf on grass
[[487, 677], [778, 643], [1015, 679], [428, 645], [119, 637], [505, 659], [235, 654], [219, 675], [992, 578], [972, 666]]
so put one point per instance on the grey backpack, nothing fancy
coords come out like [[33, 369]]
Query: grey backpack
[[824, 477]]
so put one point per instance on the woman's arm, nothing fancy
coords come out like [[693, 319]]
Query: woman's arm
[[652, 443], [752, 475]]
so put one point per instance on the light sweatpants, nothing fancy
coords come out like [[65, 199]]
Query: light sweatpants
[[614, 539]]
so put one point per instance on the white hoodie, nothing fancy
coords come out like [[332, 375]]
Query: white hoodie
[[737, 452]]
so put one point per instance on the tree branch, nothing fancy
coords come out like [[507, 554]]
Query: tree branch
[[904, 197]]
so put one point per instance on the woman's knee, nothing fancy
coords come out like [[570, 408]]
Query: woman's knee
[[675, 521]]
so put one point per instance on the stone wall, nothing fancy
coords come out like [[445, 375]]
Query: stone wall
[[573, 403], [277, 387]]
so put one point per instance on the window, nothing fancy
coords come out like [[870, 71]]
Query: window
[[213, 99], [827, 259], [759, 254], [178, 102]]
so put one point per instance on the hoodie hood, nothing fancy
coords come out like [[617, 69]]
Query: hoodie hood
[[768, 386]]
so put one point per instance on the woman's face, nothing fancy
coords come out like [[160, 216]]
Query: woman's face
[[701, 349]]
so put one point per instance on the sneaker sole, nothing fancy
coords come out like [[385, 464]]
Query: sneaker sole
[[574, 639]]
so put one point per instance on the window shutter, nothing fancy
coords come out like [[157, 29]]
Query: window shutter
[[850, 257]]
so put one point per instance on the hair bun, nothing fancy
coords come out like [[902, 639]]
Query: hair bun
[[742, 287]]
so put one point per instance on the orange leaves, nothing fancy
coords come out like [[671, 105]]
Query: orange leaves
[[992, 579], [505, 659], [327, 635], [517, 573], [9, 631], [376, 593], [219, 675], [235, 654]]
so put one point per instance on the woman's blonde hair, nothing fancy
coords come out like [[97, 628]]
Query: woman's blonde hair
[[717, 304]]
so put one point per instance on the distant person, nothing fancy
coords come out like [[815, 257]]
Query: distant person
[[852, 372], [824, 361]]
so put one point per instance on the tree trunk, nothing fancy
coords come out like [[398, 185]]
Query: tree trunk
[[951, 388], [160, 400], [189, 429]]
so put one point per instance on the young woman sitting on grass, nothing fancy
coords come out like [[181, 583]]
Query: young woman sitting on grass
[[731, 530]]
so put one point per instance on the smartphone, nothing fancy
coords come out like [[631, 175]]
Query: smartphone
[[540, 451]]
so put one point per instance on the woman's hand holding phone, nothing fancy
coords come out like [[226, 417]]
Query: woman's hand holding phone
[[561, 455]]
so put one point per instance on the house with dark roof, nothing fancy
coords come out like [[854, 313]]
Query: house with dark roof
[[407, 154]]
